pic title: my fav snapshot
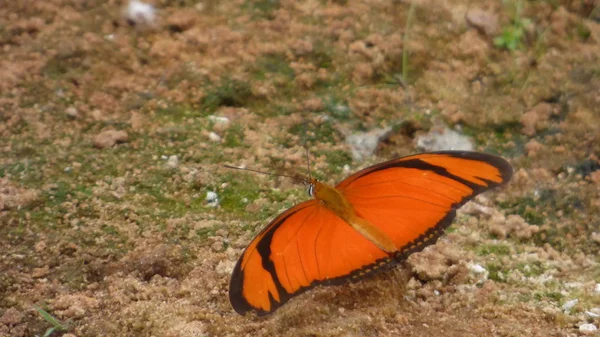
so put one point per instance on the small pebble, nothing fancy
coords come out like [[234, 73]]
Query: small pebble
[[219, 119], [588, 327], [109, 138], [569, 305], [173, 162], [212, 199], [477, 269], [439, 139], [140, 13], [72, 112], [214, 137]]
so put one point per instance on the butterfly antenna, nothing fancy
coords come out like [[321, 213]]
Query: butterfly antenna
[[266, 173], [307, 152]]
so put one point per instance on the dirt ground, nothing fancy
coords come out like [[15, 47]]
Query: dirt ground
[[114, 127]]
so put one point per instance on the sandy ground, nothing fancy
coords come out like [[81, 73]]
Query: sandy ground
[[113, 129]]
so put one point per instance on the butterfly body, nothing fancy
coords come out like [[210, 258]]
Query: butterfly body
[[376, 216], [335, 201]]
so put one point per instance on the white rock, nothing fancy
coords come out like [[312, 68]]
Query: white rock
[[588, 327], [592, 314], [214, 137], [597, 288], [225, 267], [476, 268], [212, 199], [444, 139], [364, 144], [219, 120], [72, 112], [173, 162], [140, 13], [569, 305]]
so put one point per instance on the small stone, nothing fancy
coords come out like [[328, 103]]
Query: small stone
[[225, 267], [536, 119], [587, 327], [40, 272], [40, 246], [109, 138], [11, 316], [364, 144], [173, 162], [219, 120], [72, 112], [439, 139], [217, 246], [212, 199], [476, 268], [485, 22], [182, 20], [139, 13], [569, 305], [597, 288], [214, 137]]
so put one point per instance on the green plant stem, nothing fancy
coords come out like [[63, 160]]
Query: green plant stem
[[411, 12]]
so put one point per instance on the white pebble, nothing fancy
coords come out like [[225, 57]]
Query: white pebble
[[597, 289], [588, 327], [140, 13], [592, 314], [212, 199], [173, 162], [569, 305], [219, 120], [444, 139], [214, 137], [476, 268]]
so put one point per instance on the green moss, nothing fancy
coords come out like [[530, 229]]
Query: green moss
[[534, 268], [229, 92], [548, 295], [321, 133], [240, 190], [337, 107], [496, 272], [526, 207], [261, 9], [321, 55], [204, 233], [272, 64], [337, 159], [496, 249], [177, 112], [234, 137]]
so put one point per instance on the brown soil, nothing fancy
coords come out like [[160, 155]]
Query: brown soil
[[113, 131]]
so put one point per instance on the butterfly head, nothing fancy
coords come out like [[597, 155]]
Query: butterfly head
[[310, 186]]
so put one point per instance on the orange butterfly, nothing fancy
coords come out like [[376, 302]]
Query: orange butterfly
[[376, 216]]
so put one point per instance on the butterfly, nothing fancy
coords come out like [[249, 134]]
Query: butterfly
[[375, 217]]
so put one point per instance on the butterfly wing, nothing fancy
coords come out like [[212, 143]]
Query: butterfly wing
[[305, 246], [413, 199]]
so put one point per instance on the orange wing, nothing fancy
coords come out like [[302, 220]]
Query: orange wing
[[413, 199], [305, 246]]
